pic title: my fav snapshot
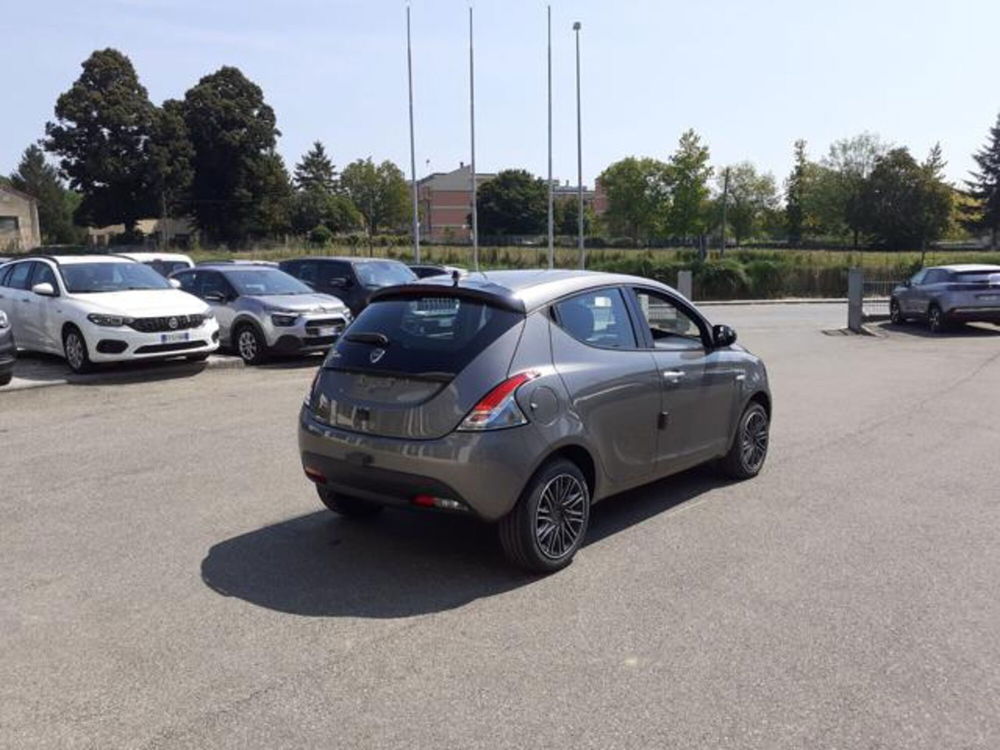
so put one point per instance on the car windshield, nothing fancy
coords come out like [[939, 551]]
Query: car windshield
[[377, 274], [265, 282], [94, 278]]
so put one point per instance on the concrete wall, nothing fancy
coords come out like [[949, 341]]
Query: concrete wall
[[21, 210]]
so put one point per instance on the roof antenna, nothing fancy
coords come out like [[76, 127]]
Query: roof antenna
[[455, 276]]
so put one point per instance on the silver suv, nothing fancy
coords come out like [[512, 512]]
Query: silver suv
[[960, 293], [522, 397], [262, 310]]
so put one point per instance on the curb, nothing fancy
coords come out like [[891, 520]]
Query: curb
[[784, 301], [136, 373]]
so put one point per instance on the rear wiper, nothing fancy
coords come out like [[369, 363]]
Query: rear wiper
[[362, 337]]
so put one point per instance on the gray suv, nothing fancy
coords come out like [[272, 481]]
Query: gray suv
[[522, 397], [262, 310], [960, 293]]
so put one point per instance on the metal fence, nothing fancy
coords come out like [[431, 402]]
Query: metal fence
[[875, 294]]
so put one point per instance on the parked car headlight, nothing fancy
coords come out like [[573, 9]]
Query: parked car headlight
[[112, 321], [284, 319], [4, 323], [209, 314]]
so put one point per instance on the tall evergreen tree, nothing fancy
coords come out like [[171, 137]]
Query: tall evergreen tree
[[171, 160], [689, 174], [39, 179], [233, 132], [795, 198], [103, 124], [984, 188], [316, 171]]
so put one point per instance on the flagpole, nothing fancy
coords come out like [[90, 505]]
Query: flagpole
[[551, 207], [472, 134], [413, 153]]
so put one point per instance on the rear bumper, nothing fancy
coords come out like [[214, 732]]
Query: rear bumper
[[485, 471], [970, 314]]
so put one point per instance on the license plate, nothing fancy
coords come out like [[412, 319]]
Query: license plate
[[989, 297], [171, 338], [326, 331]]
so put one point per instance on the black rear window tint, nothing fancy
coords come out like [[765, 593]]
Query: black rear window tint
[[425, 336]]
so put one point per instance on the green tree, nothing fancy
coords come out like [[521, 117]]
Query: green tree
[[39, 179], [796, 187], [852, 160], [316, 171], [233, 132], [638, 193], [908, 204], [565, 216], [314, 207], [983, 215], [273, 204], [379, 193], [170, 159], [512, 203], [752, 201], [689, 175], [102, 127]]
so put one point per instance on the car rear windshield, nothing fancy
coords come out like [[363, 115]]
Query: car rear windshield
[[376, 274], [92, 278], [430, 337], [977, 277]]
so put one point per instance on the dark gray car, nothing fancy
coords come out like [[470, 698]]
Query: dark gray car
[[523, 397], [959, 293], [8, 350]]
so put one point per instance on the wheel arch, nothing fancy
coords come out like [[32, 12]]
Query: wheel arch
[[577, 454]]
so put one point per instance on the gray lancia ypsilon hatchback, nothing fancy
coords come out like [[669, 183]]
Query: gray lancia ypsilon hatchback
[[524, 397]]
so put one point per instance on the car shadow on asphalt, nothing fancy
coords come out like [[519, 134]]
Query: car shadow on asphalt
[[403, 563], [920, 330], [39, 367]]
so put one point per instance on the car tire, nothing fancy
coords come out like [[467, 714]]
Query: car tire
[[249, 344], [75, 351], [896, 316], [345, 505], [935, 319], [549, 523], [200, 357], [748, 451]]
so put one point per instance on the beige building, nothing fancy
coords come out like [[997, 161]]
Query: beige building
[[19, 229], [179, 231]]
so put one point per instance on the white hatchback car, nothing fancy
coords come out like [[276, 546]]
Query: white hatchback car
[[103, 308]]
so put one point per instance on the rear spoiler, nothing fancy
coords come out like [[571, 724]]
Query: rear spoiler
[[416, 291]]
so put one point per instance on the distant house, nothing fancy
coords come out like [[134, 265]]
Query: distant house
[[19, 229], [176, 231]]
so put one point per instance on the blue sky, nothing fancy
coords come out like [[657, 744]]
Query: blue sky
[[750, 77]]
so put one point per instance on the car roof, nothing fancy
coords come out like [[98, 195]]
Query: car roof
[[524, 290], [155, 256], [69, 260], [968, 267], [229, 265], [345, 259]]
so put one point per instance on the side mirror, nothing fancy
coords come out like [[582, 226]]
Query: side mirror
[[45, 289], [723, 336], [907, 283], [174, 283]]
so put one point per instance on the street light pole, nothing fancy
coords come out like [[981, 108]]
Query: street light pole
[[579, 151], [472, 133], [413, 155], [551, 207]]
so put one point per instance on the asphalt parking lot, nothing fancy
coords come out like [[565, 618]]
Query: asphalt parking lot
[[168, 578]]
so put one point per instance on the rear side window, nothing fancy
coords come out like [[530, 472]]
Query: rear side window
[[598, 318], [977, 277], [435, 337], [18, 277]]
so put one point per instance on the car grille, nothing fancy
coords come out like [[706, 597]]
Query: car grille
[[162, 324], [324, 322]]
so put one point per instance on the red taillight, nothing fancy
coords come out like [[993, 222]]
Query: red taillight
[[424, 501], [499, 403], [315, 474]]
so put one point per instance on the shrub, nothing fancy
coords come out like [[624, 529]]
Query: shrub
[[321, 236]]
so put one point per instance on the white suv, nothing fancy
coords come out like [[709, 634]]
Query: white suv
[[101, 308]]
